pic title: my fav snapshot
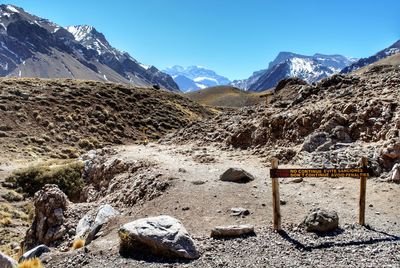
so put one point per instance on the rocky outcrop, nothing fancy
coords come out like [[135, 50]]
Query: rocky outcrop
[[320, 220], [237, 175], [162, 236], [47, 227], [232, 231], [119, 182]]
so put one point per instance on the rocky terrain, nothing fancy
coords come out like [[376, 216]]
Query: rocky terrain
[[170, 184], [61, 118], [334, 122]]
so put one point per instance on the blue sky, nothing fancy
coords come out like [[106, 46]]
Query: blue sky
[[232, 37]]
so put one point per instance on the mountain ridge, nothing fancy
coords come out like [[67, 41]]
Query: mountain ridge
[[387, 52], [288, 64], [36, 47], [194, 77]]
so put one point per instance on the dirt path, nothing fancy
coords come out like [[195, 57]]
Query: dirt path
[[201, 206], [201, 201]]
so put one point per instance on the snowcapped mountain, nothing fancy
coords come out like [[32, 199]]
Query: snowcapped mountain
[[393, 49], [287, 64], [35, 47], [195, 77]]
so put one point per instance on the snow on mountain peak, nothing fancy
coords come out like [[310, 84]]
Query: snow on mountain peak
[[80, 31], [195, 77], [12, 9]]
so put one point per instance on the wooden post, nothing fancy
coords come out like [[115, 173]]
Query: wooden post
[[363, 189], [276, 198]]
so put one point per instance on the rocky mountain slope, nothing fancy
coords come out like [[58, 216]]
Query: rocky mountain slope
[[35, 47], [63, 117], [287, 64], [334, 122], [387, 52], [195, 77]]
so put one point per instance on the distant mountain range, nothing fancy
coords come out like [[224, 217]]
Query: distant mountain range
[[393, 49], [195, 77], [287, 64], [35, 47], [31, 46]]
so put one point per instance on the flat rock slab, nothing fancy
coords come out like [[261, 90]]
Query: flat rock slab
[[237, 175], [162, 236], [232, 231]]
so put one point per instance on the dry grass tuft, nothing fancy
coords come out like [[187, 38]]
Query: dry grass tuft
[[79, 243], [31, 263]]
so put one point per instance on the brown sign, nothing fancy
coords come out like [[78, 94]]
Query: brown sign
[[331, 173]]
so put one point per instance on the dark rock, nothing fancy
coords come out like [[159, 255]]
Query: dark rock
[[320, 220], [237, 175]]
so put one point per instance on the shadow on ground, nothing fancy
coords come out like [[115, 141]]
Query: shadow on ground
[[303, 247]]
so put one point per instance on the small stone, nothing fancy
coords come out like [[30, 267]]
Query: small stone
[[232, 230], [239, 212], [296, 180]]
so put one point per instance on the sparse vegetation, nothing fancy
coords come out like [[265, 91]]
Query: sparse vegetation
[[68, 177], [79, 243], [12, 196], [31, 263]]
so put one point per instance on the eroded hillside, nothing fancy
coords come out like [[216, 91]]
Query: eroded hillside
[[61, 118]]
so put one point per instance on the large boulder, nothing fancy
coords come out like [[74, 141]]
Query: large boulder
[[232, 231], [320, 220], [91, 223], [162, 236], [236, 175], [7, 262], [34, 253], [47, 227]]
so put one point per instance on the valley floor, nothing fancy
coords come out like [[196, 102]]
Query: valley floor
[[201, 201]]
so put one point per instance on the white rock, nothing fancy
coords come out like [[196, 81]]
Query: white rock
[[163, 236], [396, 173], [7, 262]]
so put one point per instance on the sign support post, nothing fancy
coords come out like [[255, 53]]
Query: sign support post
[[363, 188], [276, 198]]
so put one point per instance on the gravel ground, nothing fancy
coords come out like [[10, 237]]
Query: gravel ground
[[352, 246]]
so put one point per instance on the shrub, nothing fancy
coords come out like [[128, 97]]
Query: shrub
[[67, 176], [79, 243], [31, 263]]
